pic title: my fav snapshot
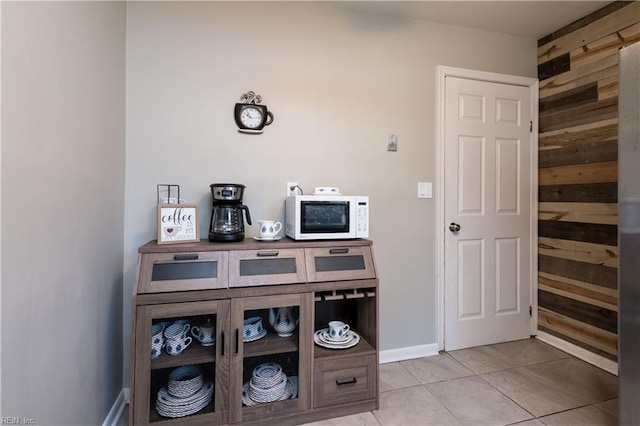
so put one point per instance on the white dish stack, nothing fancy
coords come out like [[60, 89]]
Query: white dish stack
[[185, 394], [268, 384], [323, 338]]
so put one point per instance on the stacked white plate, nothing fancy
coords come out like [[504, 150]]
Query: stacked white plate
[[291, 392], [185, 394], [268, 384], [324, 339]]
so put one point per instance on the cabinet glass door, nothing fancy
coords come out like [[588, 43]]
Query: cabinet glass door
[[182, 363], [270, 363]]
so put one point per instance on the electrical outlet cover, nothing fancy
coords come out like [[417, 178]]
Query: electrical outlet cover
[[294, 191]]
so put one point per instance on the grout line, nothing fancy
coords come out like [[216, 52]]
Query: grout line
[[442, 403], [533, 416]]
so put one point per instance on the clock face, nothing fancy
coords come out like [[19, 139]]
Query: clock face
[[251, 117]]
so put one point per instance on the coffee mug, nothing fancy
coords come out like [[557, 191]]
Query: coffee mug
[[164, 324], [156, 334], [337, 329], [269, 228], [206, 334], [156, 349], [176, 346], [176, 331], [183, 321]]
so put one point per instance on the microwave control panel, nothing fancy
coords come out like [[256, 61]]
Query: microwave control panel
[[362, 217]]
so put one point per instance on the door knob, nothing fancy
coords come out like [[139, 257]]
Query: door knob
[[454, 227]]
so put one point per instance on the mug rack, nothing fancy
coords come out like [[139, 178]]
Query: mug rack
[[356, 293], [167, 189]]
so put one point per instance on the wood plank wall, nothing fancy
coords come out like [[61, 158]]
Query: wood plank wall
[[577, 237]]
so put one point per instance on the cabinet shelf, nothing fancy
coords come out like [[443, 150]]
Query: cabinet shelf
[[271, 344], [362, 348], [203, 416], [194, 354]]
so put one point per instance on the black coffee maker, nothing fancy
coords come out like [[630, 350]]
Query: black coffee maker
[[227, 223]]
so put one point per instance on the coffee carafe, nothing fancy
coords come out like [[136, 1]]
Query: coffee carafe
[[227, 222]]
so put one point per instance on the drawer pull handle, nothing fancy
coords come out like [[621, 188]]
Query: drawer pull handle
[[222, 343], [339, 250], [237, 339], [268, 253], [347, 382], [187, 256]]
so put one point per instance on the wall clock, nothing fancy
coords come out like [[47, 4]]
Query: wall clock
[[250, 116]]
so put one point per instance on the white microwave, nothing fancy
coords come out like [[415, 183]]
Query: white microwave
[[326, 217]]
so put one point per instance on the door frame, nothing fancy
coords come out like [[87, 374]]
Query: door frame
[[533, 85]]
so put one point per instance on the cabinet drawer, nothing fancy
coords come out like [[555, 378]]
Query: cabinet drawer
[[339, 263], [164, 272], [345, 380], [266, 267]]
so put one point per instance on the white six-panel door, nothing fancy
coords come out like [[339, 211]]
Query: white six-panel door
[[488, 196]]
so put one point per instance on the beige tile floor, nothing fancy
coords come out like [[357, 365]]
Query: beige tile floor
[[526, 382]]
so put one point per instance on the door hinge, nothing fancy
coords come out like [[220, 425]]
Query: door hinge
[[530, 311], [531, 126]]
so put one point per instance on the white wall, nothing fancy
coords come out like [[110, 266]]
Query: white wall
[[63, 146], [337, 82]]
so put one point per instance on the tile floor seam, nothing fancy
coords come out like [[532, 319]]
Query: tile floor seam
[[549, 383], [442, 403], [533, 416], [406, 387], [570, 409], [411, 374], [439, 381], [602, 409], [375, 418]]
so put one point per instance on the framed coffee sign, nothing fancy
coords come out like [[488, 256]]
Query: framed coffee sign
[[177, 223]]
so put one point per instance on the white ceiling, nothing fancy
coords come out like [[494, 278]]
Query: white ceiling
[[529, 19]]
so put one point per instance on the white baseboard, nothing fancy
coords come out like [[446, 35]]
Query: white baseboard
[[117, 409], [581, 353], [411, 352]]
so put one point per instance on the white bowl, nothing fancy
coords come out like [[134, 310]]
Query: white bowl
[[185, 381]]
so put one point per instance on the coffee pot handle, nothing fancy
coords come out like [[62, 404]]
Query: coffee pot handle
[[246, 212]]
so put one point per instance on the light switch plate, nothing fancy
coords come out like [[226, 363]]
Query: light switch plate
[[392, 142], [425, 190]]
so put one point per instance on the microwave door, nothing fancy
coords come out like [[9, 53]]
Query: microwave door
[[325, 217]]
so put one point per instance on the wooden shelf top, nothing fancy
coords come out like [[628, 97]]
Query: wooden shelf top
[[248, 244], [362, 348], [271, 344], [194, 354]]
